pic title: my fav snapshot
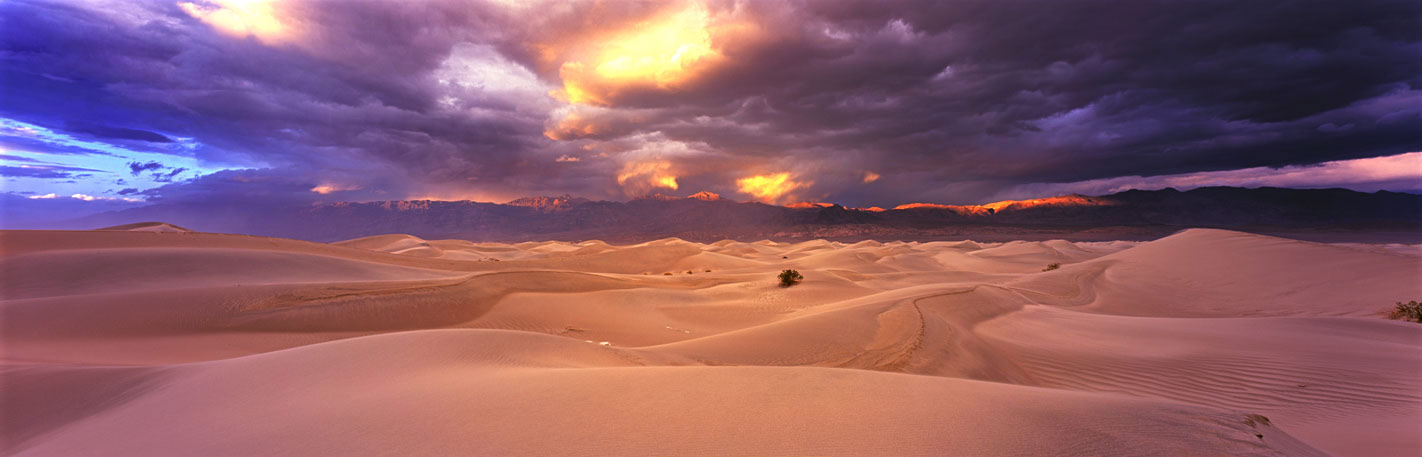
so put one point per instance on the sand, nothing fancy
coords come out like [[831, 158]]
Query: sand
[[154, 340]]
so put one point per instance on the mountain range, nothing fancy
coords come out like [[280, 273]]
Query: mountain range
[[1333, 214]]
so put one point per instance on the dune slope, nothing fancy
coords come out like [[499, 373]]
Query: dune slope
[[1206, 342]]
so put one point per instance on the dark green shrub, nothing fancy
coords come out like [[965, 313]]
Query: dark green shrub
[[789, 278], [1410, 312]]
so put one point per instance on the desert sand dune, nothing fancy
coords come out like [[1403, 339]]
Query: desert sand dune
[[1206, 342], [148, 227]]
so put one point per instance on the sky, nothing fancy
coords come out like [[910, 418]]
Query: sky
[[114, 104]]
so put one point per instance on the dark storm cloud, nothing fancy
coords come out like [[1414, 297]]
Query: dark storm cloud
[[118, 133], [359, 92], [136, 168], [167, 176], [948, 101], [1006, 92]]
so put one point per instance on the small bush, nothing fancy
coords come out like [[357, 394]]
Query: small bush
[[1410, 312], [1052, 266], [789, 278], [708, 270], [666, 274]]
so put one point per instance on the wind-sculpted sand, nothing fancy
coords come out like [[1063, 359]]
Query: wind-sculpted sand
[[161, 342]]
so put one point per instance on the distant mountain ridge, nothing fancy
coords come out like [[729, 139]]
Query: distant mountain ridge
[[705, 216]]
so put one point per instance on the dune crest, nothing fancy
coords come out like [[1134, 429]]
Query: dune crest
[[1208, 341]]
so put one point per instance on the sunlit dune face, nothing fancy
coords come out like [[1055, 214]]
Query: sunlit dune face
[[638, 178], [769, 188], [663, 53], [242, 18]]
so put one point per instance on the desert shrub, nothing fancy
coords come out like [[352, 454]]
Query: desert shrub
[[789, 278], [1052, 266], [1410, 312], [666, 274]]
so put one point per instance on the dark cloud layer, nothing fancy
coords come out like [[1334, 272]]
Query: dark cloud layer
[[946, 101]]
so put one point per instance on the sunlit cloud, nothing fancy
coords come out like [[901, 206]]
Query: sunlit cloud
[[1368, 175], [769, 188], [662, 53], [241, 18], [870, 176], [326, 189], [572, 126], [637, 178], [568, 158]]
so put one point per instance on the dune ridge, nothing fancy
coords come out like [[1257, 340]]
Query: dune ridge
[[1210, 342]]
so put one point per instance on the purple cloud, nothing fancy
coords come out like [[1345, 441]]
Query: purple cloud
[[951, 102]]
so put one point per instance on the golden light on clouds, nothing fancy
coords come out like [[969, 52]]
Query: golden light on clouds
[[572, 126], [241, 18], [325, 189], [870, 176], [637, 178], [661, 53], [769, 188]]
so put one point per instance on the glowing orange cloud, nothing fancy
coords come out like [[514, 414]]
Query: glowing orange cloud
[[570, 127], [329, 188], [241, 18], [870, 176], [639, 177], [662, 53], [769, 188]]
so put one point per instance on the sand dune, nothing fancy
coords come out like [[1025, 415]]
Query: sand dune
[[1206, 342]]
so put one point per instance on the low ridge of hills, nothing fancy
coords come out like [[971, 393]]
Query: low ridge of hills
[[1334, 214]]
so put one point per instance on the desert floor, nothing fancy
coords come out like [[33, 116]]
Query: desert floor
[[157, 342]]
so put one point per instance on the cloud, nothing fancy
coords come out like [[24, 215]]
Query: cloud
[[42, 171], [326, 189], [242, 18], [119, 133], [1402, 171], [770, 188], [950, 102], [15, 158], [637, 178], [167, 176], [136, 168], [82, 197]]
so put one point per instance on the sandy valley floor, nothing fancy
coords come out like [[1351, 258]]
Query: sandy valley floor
[[161, 342]]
